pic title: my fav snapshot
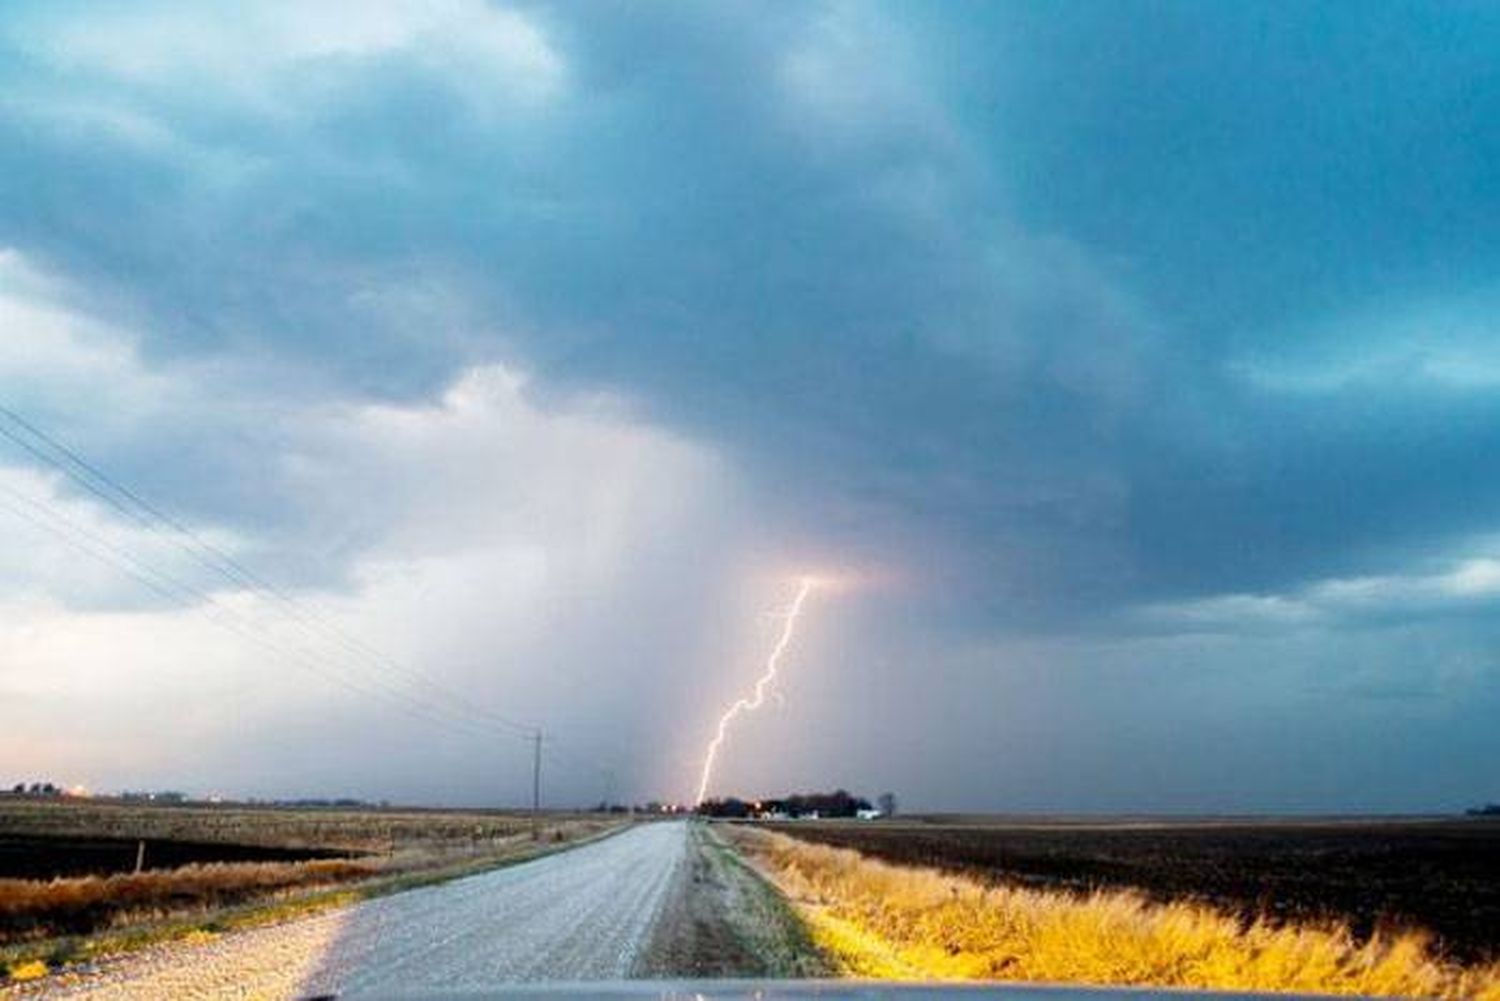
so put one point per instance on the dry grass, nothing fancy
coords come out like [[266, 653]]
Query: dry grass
[[882, 920], [45, 924], [37, 908], [1439, 875], [33, 969], [362, 830]]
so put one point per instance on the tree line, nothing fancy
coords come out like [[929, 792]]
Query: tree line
[[839, 803]]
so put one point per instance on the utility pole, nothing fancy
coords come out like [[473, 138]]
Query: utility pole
[[536, 785]]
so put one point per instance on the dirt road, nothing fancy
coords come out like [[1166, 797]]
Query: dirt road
[[582, 914]]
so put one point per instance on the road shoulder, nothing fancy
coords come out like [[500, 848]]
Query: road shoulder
[[721, 919]]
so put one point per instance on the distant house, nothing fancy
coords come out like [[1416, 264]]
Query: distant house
[[869, 814]]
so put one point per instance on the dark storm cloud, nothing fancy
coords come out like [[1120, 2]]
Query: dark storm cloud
[[764, 229], [1067, 311], [1270, 180], [995, 296]]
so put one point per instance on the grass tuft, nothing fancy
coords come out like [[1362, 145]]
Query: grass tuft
[[32, 969]]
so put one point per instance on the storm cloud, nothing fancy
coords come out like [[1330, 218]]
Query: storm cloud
[[1137, 362]]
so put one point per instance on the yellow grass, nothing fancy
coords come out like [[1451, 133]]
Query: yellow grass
[[83, 902], [33, 969], [888, 921]]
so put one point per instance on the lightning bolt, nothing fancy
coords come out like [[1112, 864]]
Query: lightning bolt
[[754, 702]]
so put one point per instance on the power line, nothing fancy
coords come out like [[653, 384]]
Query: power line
[[442, 705], [142, 512], [175, 591]]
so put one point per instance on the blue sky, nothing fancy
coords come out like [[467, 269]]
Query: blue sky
[[1134, 366]]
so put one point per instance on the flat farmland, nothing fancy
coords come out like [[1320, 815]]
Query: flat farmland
[[1437, 875], [48, 856], [323, 828], [69, 889]]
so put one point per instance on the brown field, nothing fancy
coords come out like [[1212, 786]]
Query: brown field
[[50, 856], [358, 830], [1440, 876], [879, 919], [372, 851]]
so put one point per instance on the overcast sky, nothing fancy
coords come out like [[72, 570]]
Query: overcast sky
[[1132, 370]]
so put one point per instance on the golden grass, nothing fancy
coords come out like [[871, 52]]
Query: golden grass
[[31, 969], [59, 906], [888, 921]]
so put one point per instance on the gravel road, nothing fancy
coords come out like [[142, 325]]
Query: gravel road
[[582, 914]]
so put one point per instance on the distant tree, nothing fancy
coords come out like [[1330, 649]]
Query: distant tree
[[838, 803], [887, 801], [19, 788], [730, 807]]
